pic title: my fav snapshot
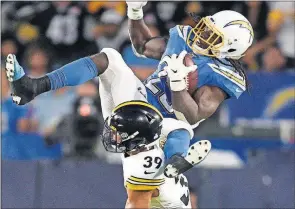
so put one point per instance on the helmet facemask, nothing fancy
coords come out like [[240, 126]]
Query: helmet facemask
[[121, 142], [205, 38]]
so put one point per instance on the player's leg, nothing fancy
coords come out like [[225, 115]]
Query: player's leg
[[180, 157], [180, 163], [118, 83], [24, 88]]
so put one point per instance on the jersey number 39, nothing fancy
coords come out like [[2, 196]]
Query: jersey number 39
[[150, 161]]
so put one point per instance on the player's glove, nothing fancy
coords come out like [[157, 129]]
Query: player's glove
[[134, 11], [177, 72]]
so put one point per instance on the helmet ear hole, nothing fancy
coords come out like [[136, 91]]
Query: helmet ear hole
[[149, 118], [231, 50]]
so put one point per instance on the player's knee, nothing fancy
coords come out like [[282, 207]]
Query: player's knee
[[180, 134], [101, 61], [111, 53], [107, 58], [177, 143], [113, 56], [115, 60]]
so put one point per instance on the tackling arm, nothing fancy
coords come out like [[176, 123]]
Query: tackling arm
[[138, 199], [201, 105], [141, 37]]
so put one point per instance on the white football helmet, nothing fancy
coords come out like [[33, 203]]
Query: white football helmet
[[226, 34]]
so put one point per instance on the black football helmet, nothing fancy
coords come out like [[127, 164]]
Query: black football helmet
[[131, 126]]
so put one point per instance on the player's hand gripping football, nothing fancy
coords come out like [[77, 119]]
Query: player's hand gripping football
[[134, 11], [177, 71]]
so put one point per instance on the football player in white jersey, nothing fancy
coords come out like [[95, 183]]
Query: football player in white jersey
[[138, 130]]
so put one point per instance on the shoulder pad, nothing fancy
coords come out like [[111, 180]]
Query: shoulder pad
[[180, 30], [227, 79]]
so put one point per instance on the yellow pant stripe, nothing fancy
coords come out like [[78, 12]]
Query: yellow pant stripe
[[142, 180], [141, 187]]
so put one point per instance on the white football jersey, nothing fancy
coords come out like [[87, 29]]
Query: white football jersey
[[144, 171]]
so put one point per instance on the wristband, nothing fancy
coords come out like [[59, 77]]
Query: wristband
[[134, 14]]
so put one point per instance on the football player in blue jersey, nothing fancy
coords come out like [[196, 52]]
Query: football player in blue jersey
[[217, 42]]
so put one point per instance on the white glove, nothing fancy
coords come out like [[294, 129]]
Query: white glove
[[134, 11], [136, 4], [177, 72]]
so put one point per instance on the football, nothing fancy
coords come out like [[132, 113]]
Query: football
[[192, 77]]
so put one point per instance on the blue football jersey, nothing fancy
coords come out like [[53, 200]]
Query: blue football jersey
[[210, 73]]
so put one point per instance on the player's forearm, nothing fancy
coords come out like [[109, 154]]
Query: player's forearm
[[185, 104], [201, 105], [144, 43], [139, 34]]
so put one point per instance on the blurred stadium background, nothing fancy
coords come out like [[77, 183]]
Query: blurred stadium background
[[51, 153]]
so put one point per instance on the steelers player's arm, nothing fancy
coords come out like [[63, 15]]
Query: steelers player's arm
[[138, 199], [201, 105]]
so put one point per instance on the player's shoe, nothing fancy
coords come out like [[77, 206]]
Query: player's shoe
[[196, 153], [22, 88]]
